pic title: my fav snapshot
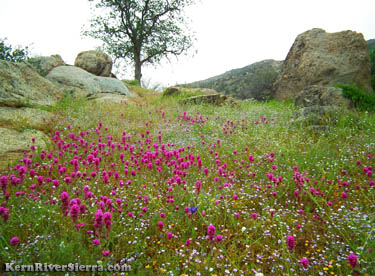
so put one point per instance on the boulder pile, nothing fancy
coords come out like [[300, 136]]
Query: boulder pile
[[43, 81]]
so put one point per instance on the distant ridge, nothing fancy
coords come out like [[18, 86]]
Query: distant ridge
[[252, 81]]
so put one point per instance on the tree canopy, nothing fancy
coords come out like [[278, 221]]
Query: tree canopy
[[142, 31]]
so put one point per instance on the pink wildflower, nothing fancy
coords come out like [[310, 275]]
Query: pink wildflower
[[14, 241], [291, 242], [107, 218], [98, 219], [160, 225], [352, 260], [304, 262], [211, 230]]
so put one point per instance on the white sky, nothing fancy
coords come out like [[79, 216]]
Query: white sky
[[230, 33]]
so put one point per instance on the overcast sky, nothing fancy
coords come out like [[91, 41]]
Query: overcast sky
[[230, 33]]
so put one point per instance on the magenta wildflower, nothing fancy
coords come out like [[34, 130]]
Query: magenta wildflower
[[291, 242], [106, 253], [304, 262], [169, 235], [14, 241], [64, 196], [219, 238], [205, 171], [352, 260], [79, 225], [74, 212], [254, 215], [96, 242], [160, 225], [198, 187], [211, 230], [188, 241], [98, 219], [107, 218]]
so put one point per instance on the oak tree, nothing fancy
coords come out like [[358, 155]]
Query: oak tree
[[141, 31]]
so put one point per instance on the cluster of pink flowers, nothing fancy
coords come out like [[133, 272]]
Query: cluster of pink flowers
[[352, 260], [290, 242], [65, 203]]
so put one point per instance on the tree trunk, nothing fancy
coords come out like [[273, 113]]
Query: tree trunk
[[137, 68]]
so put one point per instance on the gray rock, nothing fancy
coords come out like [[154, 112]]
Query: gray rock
[[317, 95], [215, 99], [43, 65], [81, 83], [95, 62], [24, 117], [21, 85], [316, 115], [110, 98], [170, 91], [321, 58], [14, 143]]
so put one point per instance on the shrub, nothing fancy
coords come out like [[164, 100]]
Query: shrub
[[372, 61], [14, 55], [361, 100], [132, 82]]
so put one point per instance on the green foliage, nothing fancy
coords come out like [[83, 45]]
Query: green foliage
[[141, 32], [361, 100], [263, 130], [372, 62], [132, 82], [7, 52]]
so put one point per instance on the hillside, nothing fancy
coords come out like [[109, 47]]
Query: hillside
[[133, 183], [252, 81], [116, 179]]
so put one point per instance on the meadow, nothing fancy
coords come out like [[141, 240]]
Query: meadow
[[173, 189]]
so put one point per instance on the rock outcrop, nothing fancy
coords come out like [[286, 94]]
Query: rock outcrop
[[321, 106], [110, 98], [21, 85], [253, 81], [214, 99], [94, 62], [43, 65], [320, 58], [171, 91], [14, 143], [24, 117], [316, 95], [82, 83]]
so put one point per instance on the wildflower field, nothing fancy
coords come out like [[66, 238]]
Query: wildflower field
[[173, 189]]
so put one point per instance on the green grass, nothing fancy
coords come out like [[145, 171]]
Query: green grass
[[223, 137]]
